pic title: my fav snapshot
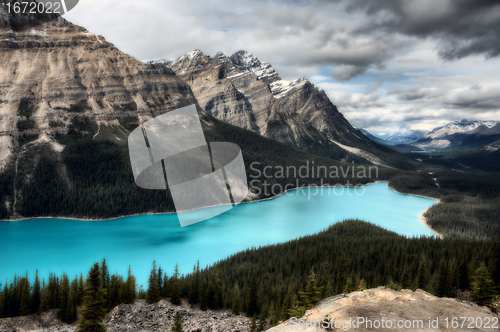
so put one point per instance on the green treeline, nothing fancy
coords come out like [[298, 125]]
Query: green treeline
[[280, 281], [93, 297]]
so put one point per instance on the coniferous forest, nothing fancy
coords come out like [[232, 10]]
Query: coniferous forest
[[278, 281]]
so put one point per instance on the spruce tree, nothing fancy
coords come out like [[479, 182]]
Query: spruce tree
[[442, 280], [194, 295], [483, 287], [153, 295], [236, 300], [311, 294], [177, 325], [405, 277], [24, 286], [324, 282], [44, 300], [105, 282], [93, 310], [175, 292], [341, 279], [65, 312], [253, 296], [36, 294], [422, 277], [129, 296], [81, 290]]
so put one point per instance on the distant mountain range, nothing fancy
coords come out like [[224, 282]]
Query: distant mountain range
[[462, 134]]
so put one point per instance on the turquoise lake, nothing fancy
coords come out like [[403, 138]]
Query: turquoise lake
[[72, 246]]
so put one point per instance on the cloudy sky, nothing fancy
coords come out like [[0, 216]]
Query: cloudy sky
[[388, 65]]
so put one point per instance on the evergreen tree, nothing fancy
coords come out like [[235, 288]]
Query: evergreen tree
[[324, 282], [194, 295], [105, 282], [495, 273], [177, 325], [93, 310], [311, 294], [153, 295], [36, 294], [129, 296], [24, 286], [44, 300], [252, 304], [341, 279], [422, 277], [442, 280], [463, 280], [66, 310], [406, 277], [482, 286], [236, 300], [175, 292], [81, 290], [203, 296]]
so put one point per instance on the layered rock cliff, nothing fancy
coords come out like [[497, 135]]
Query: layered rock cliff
[[52, 70]]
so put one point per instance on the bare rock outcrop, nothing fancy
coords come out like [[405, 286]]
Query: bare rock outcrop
[[138, 317], [397, 310]]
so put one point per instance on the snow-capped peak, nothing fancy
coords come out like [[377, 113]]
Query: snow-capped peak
[[461, 126], [466, 125], [247, 62]]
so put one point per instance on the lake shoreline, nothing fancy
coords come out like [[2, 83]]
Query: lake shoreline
[[422, 219]]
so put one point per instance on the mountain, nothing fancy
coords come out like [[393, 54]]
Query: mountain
[[462, 134], [248, 93], [374, 138], [68, 100], [53, 71], [405, 137], [455, 127]]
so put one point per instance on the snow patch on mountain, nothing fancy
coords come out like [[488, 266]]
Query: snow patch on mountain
[[282, 88], [158, 61]]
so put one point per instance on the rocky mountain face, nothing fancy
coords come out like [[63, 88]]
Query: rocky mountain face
[[248, 93], [52, 70]]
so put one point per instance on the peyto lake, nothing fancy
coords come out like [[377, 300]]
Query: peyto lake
[[59, 245]]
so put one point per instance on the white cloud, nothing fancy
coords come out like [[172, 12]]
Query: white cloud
[[302, 38]]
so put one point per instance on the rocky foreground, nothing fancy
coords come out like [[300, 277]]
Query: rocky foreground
[[138, 317], [385, 308]]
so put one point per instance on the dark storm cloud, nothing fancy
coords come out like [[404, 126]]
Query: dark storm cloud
[[462, 27]]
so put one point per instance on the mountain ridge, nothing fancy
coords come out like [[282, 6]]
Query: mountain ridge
[[248, 93]]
